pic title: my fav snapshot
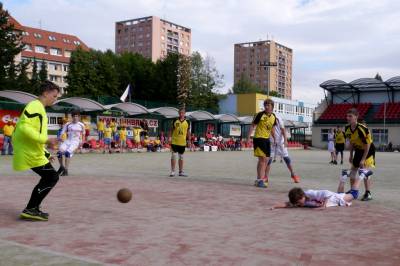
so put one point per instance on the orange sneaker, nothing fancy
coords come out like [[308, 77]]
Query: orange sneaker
[[296, 178]]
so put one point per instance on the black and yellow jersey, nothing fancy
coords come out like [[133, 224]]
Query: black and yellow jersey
[[339, 137], [359, 136], [179, 132], [265, 122]]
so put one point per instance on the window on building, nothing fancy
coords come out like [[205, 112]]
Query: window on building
[[55, 51], [66, 67], [77, 42], [67, 53], [40, 49], [324, 134], [37, 35], [380, 136], [25, 33], [28, 47], [52, 38]]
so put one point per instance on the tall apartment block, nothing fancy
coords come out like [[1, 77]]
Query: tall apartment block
[[267, 64], [152, 37], [52, 48]]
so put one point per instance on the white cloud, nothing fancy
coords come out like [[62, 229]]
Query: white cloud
[[343, 39]]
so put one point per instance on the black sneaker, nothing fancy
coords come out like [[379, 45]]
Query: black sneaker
[[182, 174], [44, 214], [341, 162], [65, 173], [61, 170], [34, 214], [335, 162], [367, 196]]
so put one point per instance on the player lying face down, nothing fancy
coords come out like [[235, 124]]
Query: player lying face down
[[315, 199]]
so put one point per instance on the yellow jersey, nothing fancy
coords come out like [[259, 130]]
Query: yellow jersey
[[339, 137], [359, 137], [8, 130], [30, 137], [113, 126], [100, 126], [179, 132], [265, 122], [107, 133], [122, 134]]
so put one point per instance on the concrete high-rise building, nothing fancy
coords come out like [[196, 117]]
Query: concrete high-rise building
[[52, 48], [152, 37], [267, 64]]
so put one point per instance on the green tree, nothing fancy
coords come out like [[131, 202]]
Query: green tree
[[35, 82], [43, 72], [184, 77], [205, 81], [10, 46], [23, 82], [82, 75], [245, 85]]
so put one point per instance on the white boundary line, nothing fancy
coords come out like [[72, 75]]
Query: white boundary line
[[54, 253]]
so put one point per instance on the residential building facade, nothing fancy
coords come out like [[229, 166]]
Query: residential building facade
[[266, 64], [152, 37]]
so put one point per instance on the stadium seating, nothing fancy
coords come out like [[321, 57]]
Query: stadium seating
[[338, 111], [392, 111]]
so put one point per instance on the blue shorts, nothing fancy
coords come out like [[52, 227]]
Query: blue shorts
[[107, 141]]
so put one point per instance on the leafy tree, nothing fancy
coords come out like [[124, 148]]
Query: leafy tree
[[43, 72], [35, 82], [23, 82], [184, 76], [245, 85], [10, 46]]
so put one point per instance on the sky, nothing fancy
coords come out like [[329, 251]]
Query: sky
[[341, 39]]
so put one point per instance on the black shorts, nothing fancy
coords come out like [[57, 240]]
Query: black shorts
[[339, 147], [178, 148], [262, 147], [358, 154]]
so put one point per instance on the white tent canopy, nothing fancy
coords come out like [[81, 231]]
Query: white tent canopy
[[200, 115], [167, 112], [130, 108], [18, 96], [83, 103], [246, 120], [227, 118]]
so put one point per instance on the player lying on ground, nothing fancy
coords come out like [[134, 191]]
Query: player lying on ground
[[315, 199]]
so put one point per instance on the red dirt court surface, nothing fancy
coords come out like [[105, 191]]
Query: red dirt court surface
[[213, 217]]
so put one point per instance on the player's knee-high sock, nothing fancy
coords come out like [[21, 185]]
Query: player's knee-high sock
[[49, 179]]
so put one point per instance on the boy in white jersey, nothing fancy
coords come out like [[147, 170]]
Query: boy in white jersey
[[75, 131], [315, 199], [279, 148]]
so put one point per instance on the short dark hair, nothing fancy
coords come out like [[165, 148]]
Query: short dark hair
[[75, 112], [269, 101], [296, 194], [47, 86], [353, 111], [182, 109]]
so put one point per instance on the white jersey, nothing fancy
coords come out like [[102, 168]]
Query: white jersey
[[74, 131], [319, 196], [279, 139]]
